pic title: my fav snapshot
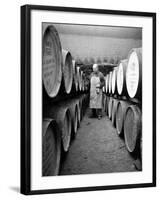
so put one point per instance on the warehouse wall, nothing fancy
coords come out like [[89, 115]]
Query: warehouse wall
[[82, 46]]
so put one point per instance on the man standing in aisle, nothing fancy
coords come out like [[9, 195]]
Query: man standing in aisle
[[96, 84]]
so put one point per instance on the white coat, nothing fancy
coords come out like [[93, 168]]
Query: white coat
[[96, 90]]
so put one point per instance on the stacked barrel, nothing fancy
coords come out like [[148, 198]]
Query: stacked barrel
[[65, 98], [123, 91]]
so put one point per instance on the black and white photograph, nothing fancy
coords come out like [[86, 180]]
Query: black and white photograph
[[88, 108], [92, 99]]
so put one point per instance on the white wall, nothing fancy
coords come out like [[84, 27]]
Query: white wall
[[10, 101]]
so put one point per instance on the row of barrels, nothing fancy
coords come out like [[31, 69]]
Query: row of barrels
[[60, 125], [126, 118], [59, 71], [126, 78]]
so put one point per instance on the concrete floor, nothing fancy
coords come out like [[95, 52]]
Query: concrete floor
[[97, 149]]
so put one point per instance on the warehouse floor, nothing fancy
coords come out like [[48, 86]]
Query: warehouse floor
[[97, 149]]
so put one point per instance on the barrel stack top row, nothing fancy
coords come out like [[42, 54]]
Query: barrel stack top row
[[126, 78], [61, 74]]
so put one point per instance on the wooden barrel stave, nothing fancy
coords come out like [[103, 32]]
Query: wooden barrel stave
[[51, 148], [82, 81], [104, 102], [114, 110], [110, 83], [132, 127], [79, 78], [75, 120], [67, 70], [75, 79], [121, 78], [106, 105], [79, 112], [82, 105], [106, 83], [110, 104], [120, 116], [114, 81]]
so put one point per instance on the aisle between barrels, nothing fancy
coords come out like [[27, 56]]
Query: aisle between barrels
[[97, 148]]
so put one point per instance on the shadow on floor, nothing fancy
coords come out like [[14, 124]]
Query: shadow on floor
[[15, 189]]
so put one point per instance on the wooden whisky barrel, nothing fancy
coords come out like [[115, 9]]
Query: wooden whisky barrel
[[103, 89], [73, 108], [134, 73], [106, 105], [79, 106], [132, 127], [51, 148], [61, 114], [67, 70], [82, 81], [83, 99], [75, 122], [120, 116], [51, 62], [104, 102], [75, 79], [74, 116], [114, 81], [79, 78], [107, 83], [83, 104], [110, 83], [114, 111], [110, 106], [121, 77]]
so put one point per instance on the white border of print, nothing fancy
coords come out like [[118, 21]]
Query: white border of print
[[41, 183]]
